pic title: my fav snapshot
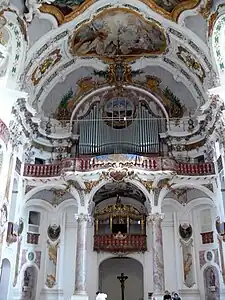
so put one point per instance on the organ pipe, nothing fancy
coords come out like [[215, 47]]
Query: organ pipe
[[142, 136]]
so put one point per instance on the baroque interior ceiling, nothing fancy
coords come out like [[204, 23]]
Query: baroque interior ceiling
[[113, 190], [76, 48]]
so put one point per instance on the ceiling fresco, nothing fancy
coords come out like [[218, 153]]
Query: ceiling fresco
[[111, 190], [85, 86], [65, 10], [171, 5], [118, 32]]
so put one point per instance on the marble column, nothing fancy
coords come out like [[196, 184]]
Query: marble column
[[81, 255], [157, 255]]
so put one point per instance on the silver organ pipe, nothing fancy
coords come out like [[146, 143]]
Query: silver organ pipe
[[142, 136]]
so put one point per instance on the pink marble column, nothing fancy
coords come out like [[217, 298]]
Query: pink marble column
[[81, 255], [158, 262]]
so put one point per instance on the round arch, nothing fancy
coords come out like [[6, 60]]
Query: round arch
[[40, 204], [65, 204], [136, 183], [198, 204], [211, 279], [112, 267], [5, 278], [32, 277], [37, 189], [131, 87], [173, 203], [201, 188]]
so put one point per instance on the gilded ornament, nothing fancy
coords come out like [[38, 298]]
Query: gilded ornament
[[205, 9], [69, 99], [148, 184], [117, 210], [191, 62], [170, 101], [164, 183], [91, 184], [53, 58], [2, 41]]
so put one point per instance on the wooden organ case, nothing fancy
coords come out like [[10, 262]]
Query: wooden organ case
[[120, 228]]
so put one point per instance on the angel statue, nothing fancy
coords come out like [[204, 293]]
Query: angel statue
[[33, 6]]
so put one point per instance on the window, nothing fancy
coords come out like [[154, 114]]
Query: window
[[34, 221], [206, 220], [200, 159], [39, 161]]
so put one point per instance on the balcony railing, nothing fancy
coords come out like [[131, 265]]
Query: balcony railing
[[129, 243], [138, 162]]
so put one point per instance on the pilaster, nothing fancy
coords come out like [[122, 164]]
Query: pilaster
[[80, 291], [158, 261]]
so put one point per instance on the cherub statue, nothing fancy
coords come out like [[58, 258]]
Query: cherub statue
[[33, 8]]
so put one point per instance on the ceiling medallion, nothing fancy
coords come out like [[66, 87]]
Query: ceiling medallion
[[66, 10], [118, 32]]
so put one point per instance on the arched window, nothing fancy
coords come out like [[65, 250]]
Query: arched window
[[34, 220], [4, 279], [206, 220], [13, 203]]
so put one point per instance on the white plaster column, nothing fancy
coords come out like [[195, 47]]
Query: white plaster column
[[81, 256], [157, 255]]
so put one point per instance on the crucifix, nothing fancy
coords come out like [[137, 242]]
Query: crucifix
[[122, 280]]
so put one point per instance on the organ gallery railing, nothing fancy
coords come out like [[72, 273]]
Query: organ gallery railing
[[125, 243], [132, 161]]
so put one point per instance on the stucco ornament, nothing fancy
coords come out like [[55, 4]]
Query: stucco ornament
[[4, 3], [33, 8]]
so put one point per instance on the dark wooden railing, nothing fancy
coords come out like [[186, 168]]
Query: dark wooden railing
[[129, 243], [144, 163]]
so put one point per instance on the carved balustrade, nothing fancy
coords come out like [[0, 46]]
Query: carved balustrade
[[125, 243], [143, 163]]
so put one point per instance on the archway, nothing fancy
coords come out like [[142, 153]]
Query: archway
[[110, 268], [29, 283], [211, 283], [4, 280]]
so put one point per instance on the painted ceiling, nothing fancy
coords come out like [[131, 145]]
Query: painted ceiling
[[111, 190], [118, 32], [65, 10], [149, 44]]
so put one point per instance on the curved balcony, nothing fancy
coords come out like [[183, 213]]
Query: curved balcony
[[129, 243], [130, 161]]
